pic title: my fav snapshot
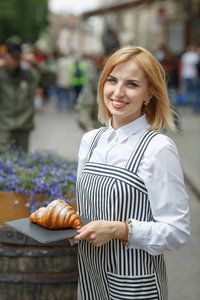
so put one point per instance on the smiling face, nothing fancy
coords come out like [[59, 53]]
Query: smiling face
[[125, 91]]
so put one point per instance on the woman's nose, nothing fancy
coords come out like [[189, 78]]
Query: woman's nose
[[119, 91]]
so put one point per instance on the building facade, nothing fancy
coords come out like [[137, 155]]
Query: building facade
[[148, 23]]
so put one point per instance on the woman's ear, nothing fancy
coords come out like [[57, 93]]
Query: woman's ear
[[149, 96]]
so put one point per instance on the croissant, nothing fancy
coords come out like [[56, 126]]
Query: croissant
[[57, 215]]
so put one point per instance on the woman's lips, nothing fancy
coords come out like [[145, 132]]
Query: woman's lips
[[118, 103]]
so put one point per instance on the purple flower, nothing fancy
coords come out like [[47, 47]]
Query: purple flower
[[41, 173]]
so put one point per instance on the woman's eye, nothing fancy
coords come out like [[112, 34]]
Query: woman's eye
[[133, 84], [111, 79]]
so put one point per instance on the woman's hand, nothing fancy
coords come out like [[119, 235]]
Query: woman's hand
[[100, 232]]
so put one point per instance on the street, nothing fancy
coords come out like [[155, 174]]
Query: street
[[60, 132]]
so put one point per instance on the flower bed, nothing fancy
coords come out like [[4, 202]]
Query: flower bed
[[41, 177]]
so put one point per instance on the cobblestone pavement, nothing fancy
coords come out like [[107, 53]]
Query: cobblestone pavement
[[60, 132]]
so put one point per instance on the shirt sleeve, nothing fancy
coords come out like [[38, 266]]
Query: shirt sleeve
[[170, 227]]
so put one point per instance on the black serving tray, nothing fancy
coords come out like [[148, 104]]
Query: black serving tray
[[41, 234]]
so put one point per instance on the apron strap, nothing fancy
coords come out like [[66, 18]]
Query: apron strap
[[95, 140], [136, 156]]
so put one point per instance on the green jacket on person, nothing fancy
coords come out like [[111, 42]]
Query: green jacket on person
[[78, 73], [17, 92]]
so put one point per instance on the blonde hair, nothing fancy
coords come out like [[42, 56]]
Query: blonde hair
[[158, 111]]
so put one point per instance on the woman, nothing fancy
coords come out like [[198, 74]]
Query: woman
[[130, 184]]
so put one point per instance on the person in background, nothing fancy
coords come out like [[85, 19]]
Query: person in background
[[64, 89], [170, 64], [110, 41], [160, 53], [130, 185], [50, 91], [88, 59], [197, 100], [17, 93], [188, 73], [86, 110], [78, 77], [40, 56]]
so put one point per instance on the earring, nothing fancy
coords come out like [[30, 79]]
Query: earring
[[146, 102]]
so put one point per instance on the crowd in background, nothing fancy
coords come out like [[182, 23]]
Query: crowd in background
[[183, 76], [74, 81], [182, 73], [72, 73]]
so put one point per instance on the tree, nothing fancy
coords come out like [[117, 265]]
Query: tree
[[24, 18]]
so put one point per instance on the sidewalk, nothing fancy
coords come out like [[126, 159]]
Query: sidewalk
[[60, 132], [56, 131], [188, 144]]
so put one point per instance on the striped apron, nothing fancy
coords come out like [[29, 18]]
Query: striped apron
[[113, 271]]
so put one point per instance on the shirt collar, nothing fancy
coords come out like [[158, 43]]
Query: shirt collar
[[126, 131]]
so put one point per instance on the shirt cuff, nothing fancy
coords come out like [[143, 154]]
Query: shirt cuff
[[137, 237]]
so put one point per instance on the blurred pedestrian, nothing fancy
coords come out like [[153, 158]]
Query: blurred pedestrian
[[171, 66], [197, 100], [50, 91], [78, 77], [111, 41], [39, 100], [130, 185], [188, 73], [86, 110], [160, 53], [88, 59], [17, 93], [64, 89]]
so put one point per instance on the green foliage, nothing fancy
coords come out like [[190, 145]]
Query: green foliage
[[25, 18]]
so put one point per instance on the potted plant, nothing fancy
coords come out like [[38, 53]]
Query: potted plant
[[29, 181]]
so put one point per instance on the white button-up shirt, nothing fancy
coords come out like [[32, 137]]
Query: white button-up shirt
[[163, 177]]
